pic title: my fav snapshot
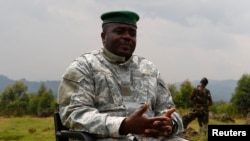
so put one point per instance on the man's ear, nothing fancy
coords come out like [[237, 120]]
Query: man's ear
[[103, 37]]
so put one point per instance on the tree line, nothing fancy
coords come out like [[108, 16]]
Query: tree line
[[16, 101]]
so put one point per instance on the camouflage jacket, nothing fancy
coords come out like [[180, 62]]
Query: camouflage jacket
[[97, 93], [202, 97]]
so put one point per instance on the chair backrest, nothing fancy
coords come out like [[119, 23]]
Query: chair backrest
[[58, 123], [59, 127]]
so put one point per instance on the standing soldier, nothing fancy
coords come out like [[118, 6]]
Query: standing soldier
[[201, 99]]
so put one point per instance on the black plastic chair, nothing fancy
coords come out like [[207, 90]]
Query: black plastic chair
[[63, 134]]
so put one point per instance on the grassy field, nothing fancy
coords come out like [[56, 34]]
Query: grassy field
[[27, 129], [42, 129]]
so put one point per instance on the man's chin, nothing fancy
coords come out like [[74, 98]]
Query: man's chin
[[125, 53]]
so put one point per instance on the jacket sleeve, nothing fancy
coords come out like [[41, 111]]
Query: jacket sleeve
[[77, 108], [165, 102]]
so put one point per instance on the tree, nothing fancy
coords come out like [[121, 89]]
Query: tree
[[14, 99], [42, 89], [46, 103], [186, 90], [182, 97], [241, 97], [173, 89], [33, 104]]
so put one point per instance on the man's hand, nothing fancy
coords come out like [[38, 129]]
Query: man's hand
[[137, 123], [161, 128]]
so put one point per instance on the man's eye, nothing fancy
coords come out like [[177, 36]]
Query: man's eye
[[132, 34], [119, 31]]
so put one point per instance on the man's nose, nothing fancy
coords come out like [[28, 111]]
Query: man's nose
[[127, 35]]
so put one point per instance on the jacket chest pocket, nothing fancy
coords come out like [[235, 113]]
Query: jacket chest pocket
[[143, 87], [107, 93]]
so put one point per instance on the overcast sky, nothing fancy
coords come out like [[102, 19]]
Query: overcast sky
[[186, 39]]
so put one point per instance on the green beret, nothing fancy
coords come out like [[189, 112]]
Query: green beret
[[127, 17]]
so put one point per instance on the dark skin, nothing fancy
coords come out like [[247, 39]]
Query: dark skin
[[138, 123], [120, 39]]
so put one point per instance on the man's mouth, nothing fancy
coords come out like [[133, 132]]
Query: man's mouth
[[125, 47]]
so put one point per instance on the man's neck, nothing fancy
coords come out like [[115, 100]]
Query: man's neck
[[112, 57]]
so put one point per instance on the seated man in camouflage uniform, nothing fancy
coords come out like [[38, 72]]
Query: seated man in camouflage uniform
[[115, 95], [202, 99]]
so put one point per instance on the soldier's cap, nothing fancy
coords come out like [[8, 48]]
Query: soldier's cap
[[126, 17]]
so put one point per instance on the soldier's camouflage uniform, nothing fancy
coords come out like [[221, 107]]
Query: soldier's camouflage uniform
[[202, 99], [97, 93]]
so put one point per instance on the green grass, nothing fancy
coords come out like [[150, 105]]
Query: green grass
[[42, 129], [27, 129]]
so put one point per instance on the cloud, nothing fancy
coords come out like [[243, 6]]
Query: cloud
[[185, 39]]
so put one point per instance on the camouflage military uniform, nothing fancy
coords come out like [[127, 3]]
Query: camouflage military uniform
[[97, 96], [202, 99]]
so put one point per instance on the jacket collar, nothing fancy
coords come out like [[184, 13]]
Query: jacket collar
[[112, 57]]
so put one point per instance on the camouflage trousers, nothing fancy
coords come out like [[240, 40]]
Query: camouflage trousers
[[200, 113]]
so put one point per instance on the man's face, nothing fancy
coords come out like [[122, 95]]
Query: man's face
[[119, 39]]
